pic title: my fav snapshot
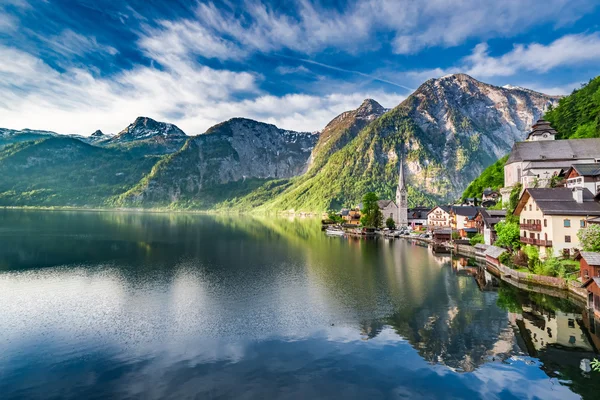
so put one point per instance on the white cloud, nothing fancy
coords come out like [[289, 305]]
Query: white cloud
[[192, 96], [69, 43], [568, 50], [311, 28]]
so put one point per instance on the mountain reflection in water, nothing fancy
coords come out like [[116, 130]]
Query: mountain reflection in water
[[116, 305]]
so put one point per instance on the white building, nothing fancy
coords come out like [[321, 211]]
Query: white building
[[535, 161]]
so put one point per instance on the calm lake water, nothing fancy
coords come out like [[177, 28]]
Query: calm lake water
[[155, 306]]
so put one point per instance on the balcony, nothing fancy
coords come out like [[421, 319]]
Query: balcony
[[532, 227], [536, 242], [438, 218]]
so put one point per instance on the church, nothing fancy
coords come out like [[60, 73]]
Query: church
[[534, 162], [398, 210]]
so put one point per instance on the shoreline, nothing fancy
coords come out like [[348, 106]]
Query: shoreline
[[160, 211]]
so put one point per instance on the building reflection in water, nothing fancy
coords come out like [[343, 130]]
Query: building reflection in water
[[460, 329]]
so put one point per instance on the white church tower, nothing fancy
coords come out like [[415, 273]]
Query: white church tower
[[401, 200]]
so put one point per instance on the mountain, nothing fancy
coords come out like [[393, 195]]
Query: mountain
[[576, 116], [342, 129], [65, 171], [491, 177], [230, 159], [146, 136], [8, 136], [447, 132]]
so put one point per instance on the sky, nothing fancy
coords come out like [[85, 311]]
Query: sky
[[74, 66]]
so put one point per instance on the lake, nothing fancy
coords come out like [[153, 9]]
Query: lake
[[100, 305]]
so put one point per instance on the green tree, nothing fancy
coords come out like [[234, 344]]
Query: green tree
[[590, 238], [335, 217], [371, 215], [533, 257], [508, 235], [390, 223], [477, 239]]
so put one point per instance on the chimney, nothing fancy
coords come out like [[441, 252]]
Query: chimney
[[578, 194]]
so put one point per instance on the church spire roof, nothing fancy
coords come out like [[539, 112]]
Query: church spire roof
[[401, 183]]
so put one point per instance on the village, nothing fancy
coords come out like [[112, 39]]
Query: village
[[541, 228]]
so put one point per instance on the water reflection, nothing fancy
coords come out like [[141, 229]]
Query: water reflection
[[175, 305]]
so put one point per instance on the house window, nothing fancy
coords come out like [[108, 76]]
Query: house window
[[545, 223], [582, 223], [567, 239], [571, 323], [537, 208], [530, 207], [567, 223]]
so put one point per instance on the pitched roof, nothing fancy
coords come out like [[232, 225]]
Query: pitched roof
[[443, 208], [593, 279], [492, 217], [559, 201], [385, 203], [466, 211], [588, 169], [418, 212], [482, 246], [494, 251], [571, 149], [590, 257]]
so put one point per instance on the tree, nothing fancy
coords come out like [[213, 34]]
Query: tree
[[371, 215], [390, 223], [512, 203], [590, 237], [508, 234], [335, 217], [477, 239]]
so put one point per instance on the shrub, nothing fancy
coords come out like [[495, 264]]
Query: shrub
[[390, 223], [590, 237], [521, 259], [506, 259], [477, 239]]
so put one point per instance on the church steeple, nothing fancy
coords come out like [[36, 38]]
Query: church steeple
[[401, 196]]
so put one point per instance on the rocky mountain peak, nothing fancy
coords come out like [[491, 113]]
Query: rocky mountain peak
[[98, 133], [370, 107], [145, 128]]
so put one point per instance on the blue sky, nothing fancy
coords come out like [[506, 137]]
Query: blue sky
[[80, 65]]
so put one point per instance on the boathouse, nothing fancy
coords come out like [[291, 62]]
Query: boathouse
[[492, 255], [589, 264], [593, 292]]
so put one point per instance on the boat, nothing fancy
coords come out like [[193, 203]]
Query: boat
[[335, 232]]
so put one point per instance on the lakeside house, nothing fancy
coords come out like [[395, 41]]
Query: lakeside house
[[438, 218], [589, 264], [584, 175], [462, 219], [551, 217], [351, 216], [486, 221], [489, 197], [492, 255], [593, 292], [538, 159], [417, 217]]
